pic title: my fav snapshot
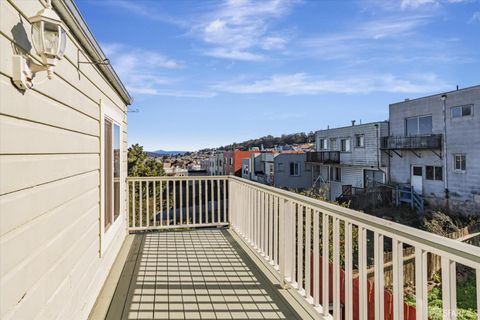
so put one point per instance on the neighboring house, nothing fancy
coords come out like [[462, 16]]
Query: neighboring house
[[63, 164], [434, 144], [233, 161], [349, 156], [292, 171], [216, 160], [263, 167]]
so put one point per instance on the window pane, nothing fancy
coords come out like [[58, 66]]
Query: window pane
[[438, 173], [412, 126], [417, 171], [466, 111], [116, 171], [425, 125], [456, 112], [463, 163], [108, 173], [291, 168], [429, 173]]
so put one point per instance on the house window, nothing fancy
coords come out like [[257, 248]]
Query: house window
[[333, 144], [335, 174], [462, 111], [111, 172], [360, 140], [434, 173], [460, 162], [323, 144], [418, 125], [345, 145], [231, 161], [294, 168]]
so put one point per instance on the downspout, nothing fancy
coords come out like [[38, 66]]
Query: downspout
[[445, 162]]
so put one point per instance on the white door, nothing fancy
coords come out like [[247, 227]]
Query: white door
[[417, 179]]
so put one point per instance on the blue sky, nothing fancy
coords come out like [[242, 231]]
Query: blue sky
[[209, 73]]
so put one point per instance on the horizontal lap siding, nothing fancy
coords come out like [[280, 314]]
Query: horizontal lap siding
[[49, 190]]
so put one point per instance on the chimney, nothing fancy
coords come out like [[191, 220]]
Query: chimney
[[457, 87], [353, 123]]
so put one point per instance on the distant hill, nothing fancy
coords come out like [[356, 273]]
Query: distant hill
[[166, 153], [271, 141]]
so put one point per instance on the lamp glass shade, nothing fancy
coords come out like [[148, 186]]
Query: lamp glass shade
[[63, 42], [37, 37], [51, 38]]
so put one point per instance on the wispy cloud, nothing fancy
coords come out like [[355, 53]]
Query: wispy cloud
[[475, 17], [304, 84], [241, 29], [147, 72], [139, 9]]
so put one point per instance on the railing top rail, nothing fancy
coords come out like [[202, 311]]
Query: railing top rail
[[170, 178], [461, 252]]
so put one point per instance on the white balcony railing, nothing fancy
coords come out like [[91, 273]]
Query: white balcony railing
[[292, 233]]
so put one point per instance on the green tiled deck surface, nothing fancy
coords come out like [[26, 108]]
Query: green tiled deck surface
[[201, 274]]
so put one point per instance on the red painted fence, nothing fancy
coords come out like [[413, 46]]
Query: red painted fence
[[409, 312]]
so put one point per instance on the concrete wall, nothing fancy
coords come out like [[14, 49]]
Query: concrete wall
[[52, 260], [283, 179], [463, 136]]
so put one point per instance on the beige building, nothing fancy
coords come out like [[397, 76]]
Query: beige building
[[62, 168]]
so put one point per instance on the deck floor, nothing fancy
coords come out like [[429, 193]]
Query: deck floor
[[200, 274]]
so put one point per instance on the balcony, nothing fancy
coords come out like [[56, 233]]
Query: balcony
[[243, 250], [324, 157], [431, 141]]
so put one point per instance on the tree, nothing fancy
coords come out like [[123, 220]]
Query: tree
[[139, 165]]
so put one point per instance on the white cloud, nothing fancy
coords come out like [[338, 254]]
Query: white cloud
[[145, 72], [304, 84], [239, 29], [415, 3]]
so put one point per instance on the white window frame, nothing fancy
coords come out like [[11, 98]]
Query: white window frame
[[107, 236], [323, 144], [362, 140], [347, 145], [296, 165], [455, 155]]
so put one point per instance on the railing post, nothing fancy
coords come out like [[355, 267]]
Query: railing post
[[449, 289]]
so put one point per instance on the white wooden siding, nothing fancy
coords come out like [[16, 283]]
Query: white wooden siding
[[50, 265]]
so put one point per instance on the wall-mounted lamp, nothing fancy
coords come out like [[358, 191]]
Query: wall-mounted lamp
[[49, 40]]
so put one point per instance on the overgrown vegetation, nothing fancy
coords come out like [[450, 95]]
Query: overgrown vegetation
[[466, 299]]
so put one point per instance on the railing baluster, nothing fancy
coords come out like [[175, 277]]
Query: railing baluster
[[397, 255], [362, 270], [300, 247], [141, 202], [449, 289], [270, 228], [180, 183], [421, 284], [325, 263], [308, 251], [161, 203], [187, 186], [348, 272], [154, 203], [206, 201], [174, 186], [147, 196], [316, 258], [134, 200], [336, 268], [194, 201], [212, 201], [282, 237], [225, 186], [276, 244], [218, 200], [379, 277], [478, 290], [168, 202]]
